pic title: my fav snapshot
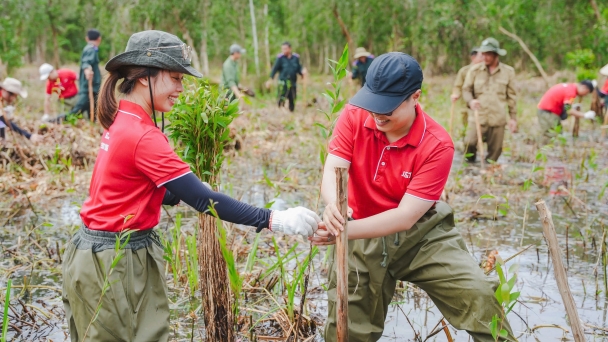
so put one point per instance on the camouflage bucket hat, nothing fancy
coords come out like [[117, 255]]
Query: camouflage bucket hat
[[492, 45], [155, 49]]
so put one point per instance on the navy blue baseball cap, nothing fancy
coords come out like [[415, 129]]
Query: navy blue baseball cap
[[391, 79]]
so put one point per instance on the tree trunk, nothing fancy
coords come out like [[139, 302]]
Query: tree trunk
[[213, 282], [54, 34], [266, 40], [204, 54], [596, 10], [343, 26], [182, 26], [325, 63], [255, 38]]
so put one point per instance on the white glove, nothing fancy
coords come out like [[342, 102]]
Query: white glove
[[295, 221], [590, 115]]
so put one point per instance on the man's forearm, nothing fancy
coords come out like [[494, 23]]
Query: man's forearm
[[236, 92], [328, 187], [389, 222]]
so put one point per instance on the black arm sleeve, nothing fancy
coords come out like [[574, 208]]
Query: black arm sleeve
[[192, 191], [17, 129], [170, 199]]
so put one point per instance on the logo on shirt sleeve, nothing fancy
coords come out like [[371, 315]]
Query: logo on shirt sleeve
[[105, 146]]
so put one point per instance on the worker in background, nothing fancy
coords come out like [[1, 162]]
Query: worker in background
[[489, 89], [363, 59], [230, 72], [288, 66], [61, 82], [557, 103], [10, 89], [476, 57]]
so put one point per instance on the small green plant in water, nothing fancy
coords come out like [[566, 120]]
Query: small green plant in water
[[507, 298], [7, 300]]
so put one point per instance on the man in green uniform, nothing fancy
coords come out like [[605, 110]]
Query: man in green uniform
[[288, 66], [89, 70], [489, 89], [363, 59], [459, 81], [230, 72]]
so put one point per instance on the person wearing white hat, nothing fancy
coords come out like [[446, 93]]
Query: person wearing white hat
[[10, 88], [363, 59], [61, 82]]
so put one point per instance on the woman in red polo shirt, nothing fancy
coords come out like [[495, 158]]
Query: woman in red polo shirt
[[136, 171]]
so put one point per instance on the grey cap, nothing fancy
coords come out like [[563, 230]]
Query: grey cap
[[155, 49], [234, 48]]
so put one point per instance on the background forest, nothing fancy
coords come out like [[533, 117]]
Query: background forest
[[438, 33]]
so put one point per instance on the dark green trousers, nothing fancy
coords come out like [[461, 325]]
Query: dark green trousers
[[431, 255], [492, 135], [135, 308]]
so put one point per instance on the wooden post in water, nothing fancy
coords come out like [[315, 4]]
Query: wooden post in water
[[479, 139], [452, 119], [342, 256], [560, 272]]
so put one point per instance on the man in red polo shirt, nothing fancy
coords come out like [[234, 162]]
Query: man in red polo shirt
[[61, 82], [557, 103], [399, 160]]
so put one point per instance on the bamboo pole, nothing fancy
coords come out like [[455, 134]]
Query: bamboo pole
[[479, 139], [91, 101], [560, 273], [452, 118], [342, 256]]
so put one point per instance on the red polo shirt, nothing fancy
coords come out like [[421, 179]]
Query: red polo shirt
[[133, 162], [64, 85], [557, 97], [381, 173]]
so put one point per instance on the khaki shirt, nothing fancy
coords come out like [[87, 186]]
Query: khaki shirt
[[462, 73], [494, 91]]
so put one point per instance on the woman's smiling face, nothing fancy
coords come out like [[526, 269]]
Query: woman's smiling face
[[166, 87]]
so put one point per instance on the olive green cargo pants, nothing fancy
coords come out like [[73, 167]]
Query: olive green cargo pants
[[493, 136], [431, 255], [135, 308], [547, 122]]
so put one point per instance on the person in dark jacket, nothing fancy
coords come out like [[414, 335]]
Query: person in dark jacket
[[363, 59], [288, 66], [89, 70], [10, 89]]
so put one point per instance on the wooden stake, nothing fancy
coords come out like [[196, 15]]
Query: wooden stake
[[342, 256], [91, 101], [560, 273], [479, 139], [452, 118]]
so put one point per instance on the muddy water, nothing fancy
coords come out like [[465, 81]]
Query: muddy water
[[541, 305]]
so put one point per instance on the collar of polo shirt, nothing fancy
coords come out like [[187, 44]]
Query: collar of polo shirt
[[414, 136]]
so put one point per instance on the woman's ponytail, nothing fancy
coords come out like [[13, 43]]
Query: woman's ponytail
[[107, 104]]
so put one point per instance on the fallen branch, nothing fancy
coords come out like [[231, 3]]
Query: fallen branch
[[530, 54]]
